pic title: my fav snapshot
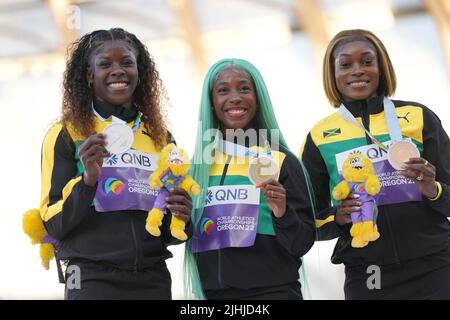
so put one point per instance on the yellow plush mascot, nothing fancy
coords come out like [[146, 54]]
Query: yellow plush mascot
[[360, 179], [173, 166], [33, 226]]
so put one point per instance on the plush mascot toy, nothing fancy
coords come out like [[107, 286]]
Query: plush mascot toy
[[173, 166], [360, 179], [33, 226]]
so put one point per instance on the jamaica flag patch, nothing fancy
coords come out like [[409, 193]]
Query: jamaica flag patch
[[331, 132]]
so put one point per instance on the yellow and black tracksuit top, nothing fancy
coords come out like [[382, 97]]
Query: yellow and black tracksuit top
[[275, 257], [115, 238], [408, 230]]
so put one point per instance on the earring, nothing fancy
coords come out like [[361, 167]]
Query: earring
[[90, 85]]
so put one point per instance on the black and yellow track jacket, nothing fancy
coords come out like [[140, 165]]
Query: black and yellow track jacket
[[116, 238], [408, 230], [273, 260]]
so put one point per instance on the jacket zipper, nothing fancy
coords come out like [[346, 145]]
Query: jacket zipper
[[366, 122], [219, 258], [391, 234], [136, 257]]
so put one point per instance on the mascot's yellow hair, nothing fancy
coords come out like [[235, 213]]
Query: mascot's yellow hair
[[357, 168], [33, 226], [166, 157]]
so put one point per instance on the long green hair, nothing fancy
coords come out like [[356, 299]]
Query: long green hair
[[203, 155]]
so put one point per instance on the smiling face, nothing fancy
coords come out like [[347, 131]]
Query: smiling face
[[234, 99], [174, 158], [113, 73], [357, 168], [356, 70]]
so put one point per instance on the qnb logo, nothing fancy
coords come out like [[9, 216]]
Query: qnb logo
[[112, 160], [375, 153], [231, 194], [209, 197], [114, 185], [206, 225], [136, 159]]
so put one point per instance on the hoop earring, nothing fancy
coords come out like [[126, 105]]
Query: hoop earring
[[90, 85]]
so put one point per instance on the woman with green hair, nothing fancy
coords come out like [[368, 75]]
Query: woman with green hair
[[253, 219]]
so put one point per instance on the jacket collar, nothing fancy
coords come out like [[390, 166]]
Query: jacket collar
[[373, 105], [107, 110]]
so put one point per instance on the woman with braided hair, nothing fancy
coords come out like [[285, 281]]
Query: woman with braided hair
[[95, 166]]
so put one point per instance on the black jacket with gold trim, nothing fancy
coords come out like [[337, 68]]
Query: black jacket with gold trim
[[115, 238], [408, 230]]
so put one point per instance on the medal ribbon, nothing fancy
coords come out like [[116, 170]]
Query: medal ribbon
[[240, 151], [237, 150], [134, 127], [391, 119], [137, 123]]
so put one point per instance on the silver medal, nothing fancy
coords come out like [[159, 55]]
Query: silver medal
[[119, 138]]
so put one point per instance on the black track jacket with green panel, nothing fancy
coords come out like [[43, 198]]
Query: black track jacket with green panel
[[274, 259], [408, 230], [115, 238]]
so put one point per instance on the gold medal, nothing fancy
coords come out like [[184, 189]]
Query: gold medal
[[262, 169]]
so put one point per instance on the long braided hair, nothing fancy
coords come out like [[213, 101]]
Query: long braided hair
[[149, 94]]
